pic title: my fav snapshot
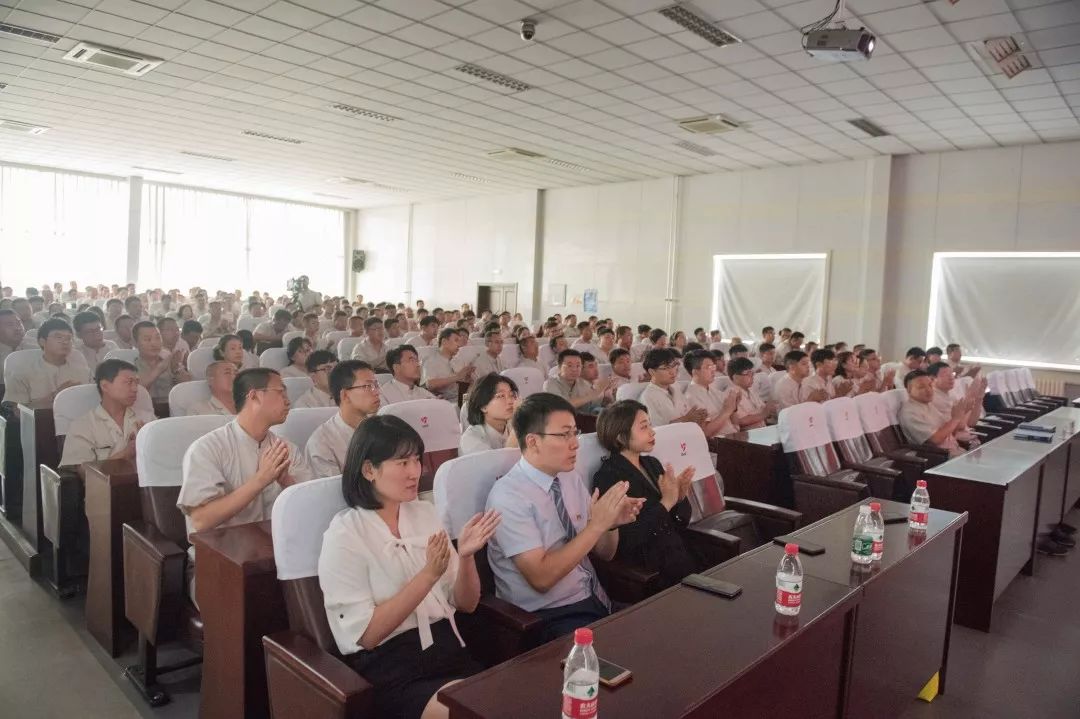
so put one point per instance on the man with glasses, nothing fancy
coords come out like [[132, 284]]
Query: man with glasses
[[662, 397], [550, 525], [233, 474], [404, 363], [582, 396], [319, 365], [55, 370], [751, 409], [92, 342], [356, 393], [372, 349]]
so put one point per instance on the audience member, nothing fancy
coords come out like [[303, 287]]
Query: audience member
[[404, 364], [492, 400], [530, 355], [107, 431], [438, 376], [319, 365], [355, 391], [220, 376], [297, 352], [490, 360], [789, 389], [12, 335], [662, 397], [372, 349], [702, 393], [123, 326], [273, 331], [922, 423], [159, 370], [569, 385], [54, 370]]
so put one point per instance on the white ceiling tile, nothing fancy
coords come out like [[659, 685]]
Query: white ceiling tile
[[847, 87], [211, 12], [333, 8], [579, 43], [1052, 15], [583, 13], [1054, 37], [391, 47], [268, 29], [113, 23], [1061, 55], [953, 11], [921, 38], [623, 32], [984, 27], [376, 19], [293, 15], [613, 59], [937, 56], [415, 9], [424, 36], [758, 25], [971, 84]]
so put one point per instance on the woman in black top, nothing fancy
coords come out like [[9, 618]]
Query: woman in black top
[[655, 540]]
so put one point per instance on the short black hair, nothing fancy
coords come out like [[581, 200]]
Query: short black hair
[[798, 335], [641, 329], [935, 368], [319, 357], [247, 339], [248, 380], [822, 355], [162, 321], [222, 343], [341, 377], [191, 326], [446, 334], [616, 353], [765, 347], [693, 360], [768, 328], [793, 357], [428, 320], [482, 392], [866, 352], [283, 315], [53, 325], [141, 326], [914, 375], [739, 365], [109, 369], [615, 424], [569, 353], [654, 359], [587, 357], [294, 346], [656, 334], [951, 346], [393, 357], [934, 351], [532, 415], [738, 348], [390, 322], [376, 440], [82, 319], [915, 352], [371, 322]]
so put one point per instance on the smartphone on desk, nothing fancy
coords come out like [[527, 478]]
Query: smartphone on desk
[[611, 674]]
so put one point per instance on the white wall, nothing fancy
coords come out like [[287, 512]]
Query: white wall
[[1022, 199], [612, 238], [837, 208], [383, 233]]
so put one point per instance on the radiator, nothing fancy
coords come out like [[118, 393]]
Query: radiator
[[1052, 387]]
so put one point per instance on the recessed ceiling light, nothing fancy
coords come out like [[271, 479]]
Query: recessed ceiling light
[[275, 138], [700, 26], [361, 112], [23, 128], [868, 127], [563, 164], [512, 153], [29, 35], [493, 77], [207, 156], [696, 148], [470, 178]]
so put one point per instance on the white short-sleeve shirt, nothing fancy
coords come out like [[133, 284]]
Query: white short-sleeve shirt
[[327, 446], [787, 392], [96, 436], [209, 406], [438, 367], [482, 437], [485, 364], [664, 405], [394, 391], [314, 397], [40, 379], [712, 401]]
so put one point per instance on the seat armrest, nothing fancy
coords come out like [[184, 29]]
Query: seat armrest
[[818, 497], [872, 469], [627, 582], [304, 680], [711, 546], [153, 581], [761, 509], [912, 459], [928, 450], [507, 615], [828, 481]]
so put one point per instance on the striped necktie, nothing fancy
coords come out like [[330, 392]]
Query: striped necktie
[[568, 528]]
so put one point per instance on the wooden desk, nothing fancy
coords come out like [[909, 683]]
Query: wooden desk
[[112, 499], [908, 594], [240, 600], [753, 466], [697, 655], [1009, 488], [38, 439]]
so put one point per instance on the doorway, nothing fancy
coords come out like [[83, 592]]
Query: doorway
[[496, 298]]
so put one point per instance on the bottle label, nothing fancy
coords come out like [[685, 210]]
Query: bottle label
[[862, 545], [579, 702], [918, 517], [879, 545], [788, 593]]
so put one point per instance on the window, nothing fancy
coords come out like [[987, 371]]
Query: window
[[1007, 307], [59, 227], [752, 291]]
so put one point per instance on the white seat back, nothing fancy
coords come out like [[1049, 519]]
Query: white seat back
[[126, 355], [74, 402], [301, 422], [546, 355], [210, 342], [1027, 379], [894, 399], [296, 387], [334, 337], [300, 516], [410, 336], [803, 426], [462, 485], [682, 445], [1014, 383], [274, 358], [589, 457], [249, 323], [528, 380], [718, 347], [580, 346], [476, 342], [873, 412], [510, 355], [198, 360], [842, 415], [346, 345], [384, 378], [289, 337], [466, 355], [631, 390], [160, 447], [435, 420], [425, 352], [394, 342], [182, 396]]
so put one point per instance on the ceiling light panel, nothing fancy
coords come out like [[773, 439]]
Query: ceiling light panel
[[275, 138], [700, 26], [361, 112], [493, 77]]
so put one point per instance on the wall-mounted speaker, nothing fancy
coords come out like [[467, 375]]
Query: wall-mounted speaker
[[359, 259]]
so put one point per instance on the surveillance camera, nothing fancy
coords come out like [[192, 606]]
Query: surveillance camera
[[528, 29]]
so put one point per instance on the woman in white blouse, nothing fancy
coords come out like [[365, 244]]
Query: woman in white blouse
[[492, 401], [391, 579], [297, 353]]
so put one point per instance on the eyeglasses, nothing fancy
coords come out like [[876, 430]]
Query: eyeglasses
[[505, 395], [567, 435], [669, 365], [372, 387]]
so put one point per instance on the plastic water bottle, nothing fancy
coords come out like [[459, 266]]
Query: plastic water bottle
[[862, 541], [581, 678], [920, 507], [789, 581], [878, 547]]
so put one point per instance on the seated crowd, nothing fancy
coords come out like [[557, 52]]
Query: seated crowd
[[392, 616]]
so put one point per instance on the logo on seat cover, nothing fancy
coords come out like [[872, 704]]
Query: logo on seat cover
[[423, 421], [682, 446]]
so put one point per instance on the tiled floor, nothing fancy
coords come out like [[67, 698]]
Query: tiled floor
[[1029, 666]]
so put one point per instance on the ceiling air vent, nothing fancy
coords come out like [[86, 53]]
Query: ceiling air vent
[[493, 77], [699, 25], [512, 153], [868, 127], [563, 164], [24, 33], [110, 59], [23, 128], [207, 156], [1001, 55], [709, 124], [695, 148], [361, 112], [275, 138]]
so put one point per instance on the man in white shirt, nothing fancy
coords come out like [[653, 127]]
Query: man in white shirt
[[372, 349], [821, 379], [429, 333], [768, 336], [13, 336], [319, 365], [356, 392], [914, 358], [404, 363], [922, 423], [944, 381], [873, 379], [751, 409], [584, 397], [490, 360], [605, 343], [392, 328], [92, 343], [662, 397], [133, 306], [704, 393], [766, 356], [530, 355], [214, 323], [25, 312], [53, 371], [273, 331], [438, 376], [789, 344], [788, 390], [122, 326], [108, 431], [114, 308], [220, 376], [158, 369], [954, 353]]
